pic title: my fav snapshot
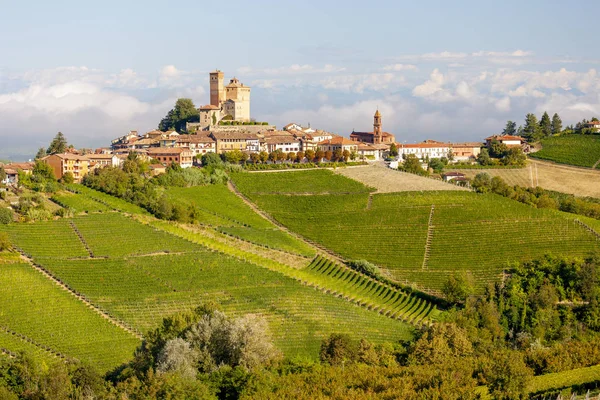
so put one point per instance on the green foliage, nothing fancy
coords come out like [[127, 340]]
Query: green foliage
[[580, 150], [556, 125], [437, 165], [412, 165], [183, 112], [545, 125], [531, 130], [393, 150], [41, 153], [458, 287], [510, 128], [68, 178], [338, 349], [58, 145], [6, 216], [4, 241]]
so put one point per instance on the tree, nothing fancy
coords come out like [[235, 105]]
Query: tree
[[440, 343], [545, 125], [309, 154], [458, 287], [4, 240], [484, 157], [183, 112], [58, 144], [291, 156], [68, 178], [338, 349], [41, 153], [556, 124], [2, 174], [510, 128], [337, 155], [299, 156], [531, 131], [328, 155], [413, 165], [393, 150], [482, 182], [319, 154], [437, 165], [43, 170], [345, 155], [211, 159], [6, 216], [263, 156], [255, 158]]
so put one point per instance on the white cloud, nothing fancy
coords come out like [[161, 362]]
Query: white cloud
[[400, 67], [431, 86]]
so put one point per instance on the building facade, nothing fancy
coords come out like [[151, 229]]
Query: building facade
[[167, 156], [64, 163], [378, 136]]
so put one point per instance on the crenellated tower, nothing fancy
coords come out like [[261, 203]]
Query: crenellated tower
[[217, 88]]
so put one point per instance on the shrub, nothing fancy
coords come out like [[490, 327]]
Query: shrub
[[4, 241], [6, 216], [365, 267]]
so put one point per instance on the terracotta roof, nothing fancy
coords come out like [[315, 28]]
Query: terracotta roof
[[281, 139], [209, 107], [23, 166], [235, 135], [195, 139], [10, 171], [504, 137], [100, 156], [370, 134], [69, 156], [147, 141], [466, 144], [423, 145]]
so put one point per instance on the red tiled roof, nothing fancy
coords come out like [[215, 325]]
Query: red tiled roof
[[338, 140], [504, 137], [209, 107], [166, 150]]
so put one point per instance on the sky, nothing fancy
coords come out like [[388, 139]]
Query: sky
[[451, 71]]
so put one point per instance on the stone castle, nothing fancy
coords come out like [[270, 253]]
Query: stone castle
[[231, 102]]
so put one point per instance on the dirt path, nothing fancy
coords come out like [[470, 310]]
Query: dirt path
[[596, 164], [81, 298], [387, 180]]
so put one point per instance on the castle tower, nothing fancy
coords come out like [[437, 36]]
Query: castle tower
[[377, 127], [217, 90]]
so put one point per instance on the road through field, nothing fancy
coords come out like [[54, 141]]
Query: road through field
[[387, 180], [561, 178]]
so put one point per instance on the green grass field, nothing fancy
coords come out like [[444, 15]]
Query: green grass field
[[579, 150], [565, 379], [479, 234], [222, 209]]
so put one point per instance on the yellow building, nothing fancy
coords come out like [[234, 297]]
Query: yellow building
[[61, 164]]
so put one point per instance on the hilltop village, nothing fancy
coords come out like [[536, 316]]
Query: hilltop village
[[225, 126]]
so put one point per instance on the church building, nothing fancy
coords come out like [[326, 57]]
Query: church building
[[378, 136]]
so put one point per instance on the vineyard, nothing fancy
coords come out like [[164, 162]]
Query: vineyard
[[295, 182], [38, 316], [139, 273], [579, 150], [223, 210], [421, 238], [565, 379]]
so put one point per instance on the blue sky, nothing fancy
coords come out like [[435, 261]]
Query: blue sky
[[437, 69]]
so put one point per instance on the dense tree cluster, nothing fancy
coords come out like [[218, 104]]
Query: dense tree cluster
[[184, 111], [132, 183]]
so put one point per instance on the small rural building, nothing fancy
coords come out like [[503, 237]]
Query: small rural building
[[12, 176], [372, 152], [198, 144], [594, 126], [228, 141], [508, 140], [453, 176], [339, 143]]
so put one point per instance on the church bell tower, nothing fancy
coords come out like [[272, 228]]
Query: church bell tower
[[377, 127]]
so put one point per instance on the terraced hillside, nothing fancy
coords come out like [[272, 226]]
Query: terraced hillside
[[423, 237], [219, 208], [50, 323], [140, 273], [579, 150]]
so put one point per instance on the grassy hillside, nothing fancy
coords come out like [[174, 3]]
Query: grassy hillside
[[140, 274], [579, 150], [475, 233], [42, 319], [220, 208]]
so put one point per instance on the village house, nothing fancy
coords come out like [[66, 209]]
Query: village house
[[64, 163], [168, 139], [378, 136], [465, 151], [429, 149], [508, 140], [12, 176], [25, 167], [124, 142], [198, 144], [594, 126], [282, 141], [373, 152], [338, 143], [104, 160], [295, 127], [450, 176], [228, 141], [168, 155], [145, 143]]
